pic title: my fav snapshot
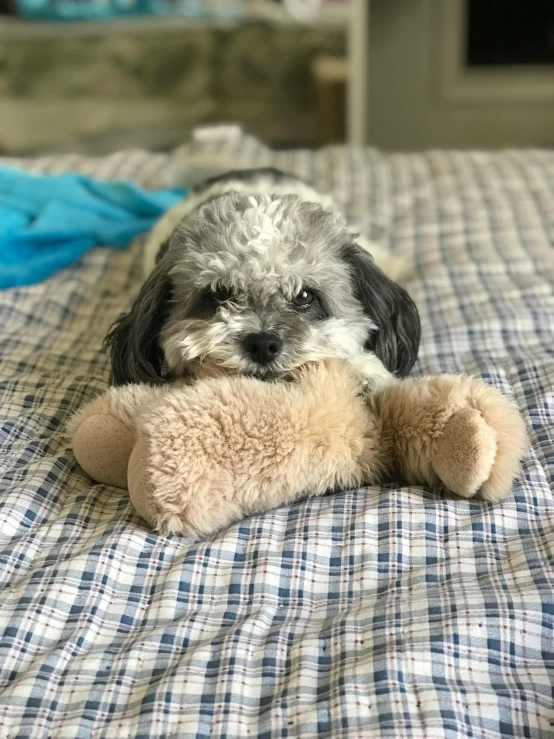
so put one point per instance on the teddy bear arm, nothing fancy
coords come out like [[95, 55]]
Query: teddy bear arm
[[452, 430], [221, 450]]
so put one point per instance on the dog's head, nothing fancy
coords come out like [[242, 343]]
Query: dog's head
[[259, 285]]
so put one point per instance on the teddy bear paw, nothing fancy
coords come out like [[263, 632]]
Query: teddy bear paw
[[464, 453], [480, 448]]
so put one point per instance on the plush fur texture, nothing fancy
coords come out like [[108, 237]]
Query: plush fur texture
[[208, 454], [243, 249], [258, 446], [453, 430]]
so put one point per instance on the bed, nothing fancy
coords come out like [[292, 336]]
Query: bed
[[384, 612]]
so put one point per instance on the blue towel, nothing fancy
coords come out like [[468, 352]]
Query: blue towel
[[47, 222]]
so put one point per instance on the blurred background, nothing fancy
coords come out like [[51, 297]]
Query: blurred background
[[98, 75]]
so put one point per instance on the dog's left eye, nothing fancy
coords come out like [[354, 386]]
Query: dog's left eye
[[221, 294], [304, 298]]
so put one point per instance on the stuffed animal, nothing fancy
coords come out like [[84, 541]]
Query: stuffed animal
[[199, 457]]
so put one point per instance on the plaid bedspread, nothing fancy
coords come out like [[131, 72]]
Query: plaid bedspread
[[384, 612]]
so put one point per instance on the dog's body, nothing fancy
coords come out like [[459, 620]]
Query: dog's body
[[256, 273]]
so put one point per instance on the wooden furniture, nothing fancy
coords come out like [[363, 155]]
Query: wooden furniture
[[95, 87], [358, 80], [331, 81]]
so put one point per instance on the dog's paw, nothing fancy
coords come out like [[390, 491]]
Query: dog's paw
[[481, 446]]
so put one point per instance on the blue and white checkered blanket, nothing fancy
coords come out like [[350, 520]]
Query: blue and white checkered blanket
[[386, 612]]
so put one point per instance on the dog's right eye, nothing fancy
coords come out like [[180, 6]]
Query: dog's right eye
[[221, 294], [304, 298]]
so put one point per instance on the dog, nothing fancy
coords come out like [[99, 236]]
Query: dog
[[257, 274]]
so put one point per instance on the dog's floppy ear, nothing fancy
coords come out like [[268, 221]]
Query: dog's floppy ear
[[134, 339], [396, 339]]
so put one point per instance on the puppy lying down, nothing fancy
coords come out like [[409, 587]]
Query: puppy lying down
[[257, 274]]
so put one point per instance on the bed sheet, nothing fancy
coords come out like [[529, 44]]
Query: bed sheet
[[384, 612]]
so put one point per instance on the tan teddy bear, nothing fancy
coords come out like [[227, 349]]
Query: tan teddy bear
[[199, 457]]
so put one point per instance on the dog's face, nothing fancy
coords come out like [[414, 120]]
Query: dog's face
[[259, 285]]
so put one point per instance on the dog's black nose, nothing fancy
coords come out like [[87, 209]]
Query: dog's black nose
[[262, 347]]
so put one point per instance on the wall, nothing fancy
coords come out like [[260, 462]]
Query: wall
[[412, 107]]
